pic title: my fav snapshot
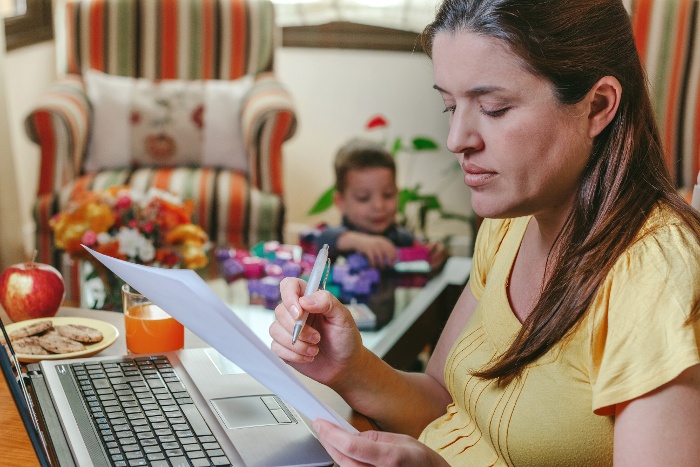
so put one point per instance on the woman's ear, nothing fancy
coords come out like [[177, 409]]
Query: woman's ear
[[604, 100]]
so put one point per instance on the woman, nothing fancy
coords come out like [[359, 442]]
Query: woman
[[576, 339]]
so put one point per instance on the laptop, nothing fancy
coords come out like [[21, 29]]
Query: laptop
[[191, 407]]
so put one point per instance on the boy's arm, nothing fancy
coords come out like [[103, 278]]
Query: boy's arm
[[379, 250], [330, 235], [438, 255]]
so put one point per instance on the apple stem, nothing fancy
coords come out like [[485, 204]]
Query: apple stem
[[34, 257]]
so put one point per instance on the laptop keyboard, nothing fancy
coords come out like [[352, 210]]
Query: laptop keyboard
[[144, 415]]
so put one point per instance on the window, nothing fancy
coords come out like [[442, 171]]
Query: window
[[346, 35], [355, 24], [26, 22]]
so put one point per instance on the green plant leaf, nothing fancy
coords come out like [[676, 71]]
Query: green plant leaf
[[430, 202], [396, 147], [323, 203], [406, 195], [424, 144]]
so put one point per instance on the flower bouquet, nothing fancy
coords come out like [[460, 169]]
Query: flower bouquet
[[152, 228]]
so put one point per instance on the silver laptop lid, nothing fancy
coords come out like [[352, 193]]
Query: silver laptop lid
[[16, 384]]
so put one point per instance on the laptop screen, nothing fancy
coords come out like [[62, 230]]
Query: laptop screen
[[8, 361]]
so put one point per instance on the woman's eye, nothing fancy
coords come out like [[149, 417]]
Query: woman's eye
[[450, 109], [495, 113]]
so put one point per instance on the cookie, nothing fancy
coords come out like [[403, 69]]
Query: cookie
[[80, 333], [28, 346], [31, 330], [58, 344]]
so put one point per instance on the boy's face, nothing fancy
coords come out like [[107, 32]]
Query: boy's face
[[370, 199]]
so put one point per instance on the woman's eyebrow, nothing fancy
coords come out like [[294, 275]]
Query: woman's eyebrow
[[477, 91]]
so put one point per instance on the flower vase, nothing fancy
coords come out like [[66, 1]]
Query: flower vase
[[100, 289]]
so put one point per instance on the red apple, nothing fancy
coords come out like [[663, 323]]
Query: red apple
[[31, 290]]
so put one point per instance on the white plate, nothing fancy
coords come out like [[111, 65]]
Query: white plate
[[109, 336]]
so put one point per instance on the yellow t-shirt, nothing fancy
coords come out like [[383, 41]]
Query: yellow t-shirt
[[632, 340]]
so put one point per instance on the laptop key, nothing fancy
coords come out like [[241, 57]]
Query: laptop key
[[195, 454], [179, 462], [200, 462], [134, 455], [220, 461], [199, 426]]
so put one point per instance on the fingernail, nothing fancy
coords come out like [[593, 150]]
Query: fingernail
[[295, 311], [315, 339], [312, 351]]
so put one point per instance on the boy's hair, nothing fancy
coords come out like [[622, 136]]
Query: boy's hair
[[360, 154]]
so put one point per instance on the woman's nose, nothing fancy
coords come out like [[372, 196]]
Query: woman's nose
[[464, 136]]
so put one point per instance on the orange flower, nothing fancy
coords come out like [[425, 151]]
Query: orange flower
[[70, 226], [170, 215], [118, 224]]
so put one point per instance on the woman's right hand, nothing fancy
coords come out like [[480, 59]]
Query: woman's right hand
[[329, 347]]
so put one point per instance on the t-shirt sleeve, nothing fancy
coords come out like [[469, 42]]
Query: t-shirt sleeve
[[330, 236], [640, 336], [488, 240]]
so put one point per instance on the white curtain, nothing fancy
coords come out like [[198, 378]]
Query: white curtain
[[11, 245], [407, 15]]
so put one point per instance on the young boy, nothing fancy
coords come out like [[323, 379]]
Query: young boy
[[367, 196]]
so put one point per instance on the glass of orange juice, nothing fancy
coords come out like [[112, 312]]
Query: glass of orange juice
[[149, 329]]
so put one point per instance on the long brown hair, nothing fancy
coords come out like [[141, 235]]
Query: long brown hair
[[573, 44]]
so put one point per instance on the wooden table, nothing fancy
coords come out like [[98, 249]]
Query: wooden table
[[16, 449]]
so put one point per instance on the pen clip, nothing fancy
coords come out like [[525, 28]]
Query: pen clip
[[327, 272]]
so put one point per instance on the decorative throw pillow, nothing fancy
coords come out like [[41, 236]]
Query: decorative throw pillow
[[165, 123]]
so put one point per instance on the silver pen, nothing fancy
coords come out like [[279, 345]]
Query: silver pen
[[312, 286]]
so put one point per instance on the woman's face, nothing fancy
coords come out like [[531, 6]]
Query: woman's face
[[522, 152]]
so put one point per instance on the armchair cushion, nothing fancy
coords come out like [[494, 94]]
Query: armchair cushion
[[166, 123]]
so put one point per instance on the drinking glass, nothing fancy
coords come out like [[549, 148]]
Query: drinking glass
[[149, 329]]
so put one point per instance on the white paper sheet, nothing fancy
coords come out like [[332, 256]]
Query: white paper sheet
[[185, 296]]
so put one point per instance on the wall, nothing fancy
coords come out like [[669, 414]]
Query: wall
[[336, 92], [27, 71]]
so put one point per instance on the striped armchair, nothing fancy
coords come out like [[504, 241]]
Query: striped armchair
[[667, 33], [164, 40]]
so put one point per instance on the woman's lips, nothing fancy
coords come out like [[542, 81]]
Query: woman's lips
[[475, 176]]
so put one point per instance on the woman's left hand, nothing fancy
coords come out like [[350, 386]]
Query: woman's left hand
[[375, 448]]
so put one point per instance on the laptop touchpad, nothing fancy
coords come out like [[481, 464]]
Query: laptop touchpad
[[247, 411]]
